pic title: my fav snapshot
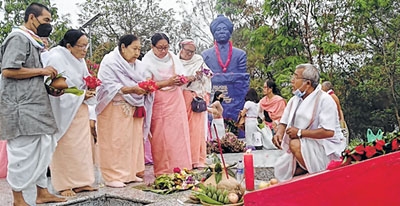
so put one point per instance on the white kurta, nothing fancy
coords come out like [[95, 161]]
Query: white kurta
[[317, 153]]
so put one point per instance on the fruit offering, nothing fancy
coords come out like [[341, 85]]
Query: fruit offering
[[210, 194]]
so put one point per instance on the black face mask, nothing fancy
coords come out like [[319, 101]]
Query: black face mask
[[221, 99], [43, 30]]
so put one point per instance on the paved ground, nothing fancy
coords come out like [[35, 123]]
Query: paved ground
[[263, 162]]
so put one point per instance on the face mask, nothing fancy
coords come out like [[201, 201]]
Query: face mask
[[298, 93], [221, 99], [44, 30]]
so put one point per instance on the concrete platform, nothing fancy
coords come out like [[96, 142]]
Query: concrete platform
[[263, 163]]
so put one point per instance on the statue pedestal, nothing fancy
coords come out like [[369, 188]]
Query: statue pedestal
[[234, 86]]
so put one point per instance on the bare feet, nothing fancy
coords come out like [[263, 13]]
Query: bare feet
[[115, 184], [43, 196], [67, 193], [84, 188], [137, 179], [19, 199]]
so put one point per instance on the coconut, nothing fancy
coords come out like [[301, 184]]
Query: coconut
[[59, 83]]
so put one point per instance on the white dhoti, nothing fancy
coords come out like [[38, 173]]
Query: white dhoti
[[318, 110], [220, 126], [285, 166], [28, 159]]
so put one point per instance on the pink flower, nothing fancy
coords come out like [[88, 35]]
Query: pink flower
[[183, 79], [177, 170], [148, 85]]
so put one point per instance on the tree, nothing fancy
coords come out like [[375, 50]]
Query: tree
[[140, 17], [353, 43], [14, 11]]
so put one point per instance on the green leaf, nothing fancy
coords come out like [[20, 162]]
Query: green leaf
[[218, 177], [74, 90]]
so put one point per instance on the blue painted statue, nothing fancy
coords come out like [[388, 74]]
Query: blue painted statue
[[223, 57], [229, 66]]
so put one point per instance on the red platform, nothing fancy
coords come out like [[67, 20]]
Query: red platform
[[372, 182]]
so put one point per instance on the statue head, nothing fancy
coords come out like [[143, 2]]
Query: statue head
[[221, 28]]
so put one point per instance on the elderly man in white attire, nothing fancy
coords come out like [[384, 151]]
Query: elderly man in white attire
[[309, 130]]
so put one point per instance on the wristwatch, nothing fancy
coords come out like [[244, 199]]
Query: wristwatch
[[299, 133]]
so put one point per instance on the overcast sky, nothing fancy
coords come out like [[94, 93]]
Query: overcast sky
[[65, 7]]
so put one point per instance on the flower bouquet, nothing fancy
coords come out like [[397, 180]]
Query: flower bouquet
[[366, 150], [149, 85], [92, 82]]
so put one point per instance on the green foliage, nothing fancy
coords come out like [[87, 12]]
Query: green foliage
[[14, 11]]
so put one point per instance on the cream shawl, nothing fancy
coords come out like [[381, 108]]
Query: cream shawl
[[163, 68]]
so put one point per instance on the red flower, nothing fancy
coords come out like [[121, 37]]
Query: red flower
[[379, 144], [359, 149], [177, 170], [148, 85], [395, 145], [334, 164], [370, 151], [92, 82]]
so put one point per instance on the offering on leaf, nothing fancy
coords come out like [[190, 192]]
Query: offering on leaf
[[59, 83], [148, 85], [180, 180]]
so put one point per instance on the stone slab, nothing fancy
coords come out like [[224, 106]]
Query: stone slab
[[263, 163]]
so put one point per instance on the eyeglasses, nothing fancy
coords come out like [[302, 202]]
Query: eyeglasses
[[295, 77], [82, 47], [160, 49], [188, 51]]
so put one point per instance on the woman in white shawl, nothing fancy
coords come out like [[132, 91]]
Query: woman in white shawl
[[170, 142], [199, 75], [72, 164], [123, 113], [309, 131]]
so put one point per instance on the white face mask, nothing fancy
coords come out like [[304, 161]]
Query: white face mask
[[298, 93]]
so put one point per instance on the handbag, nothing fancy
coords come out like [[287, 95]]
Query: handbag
[[240, 121], [198, 104]]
